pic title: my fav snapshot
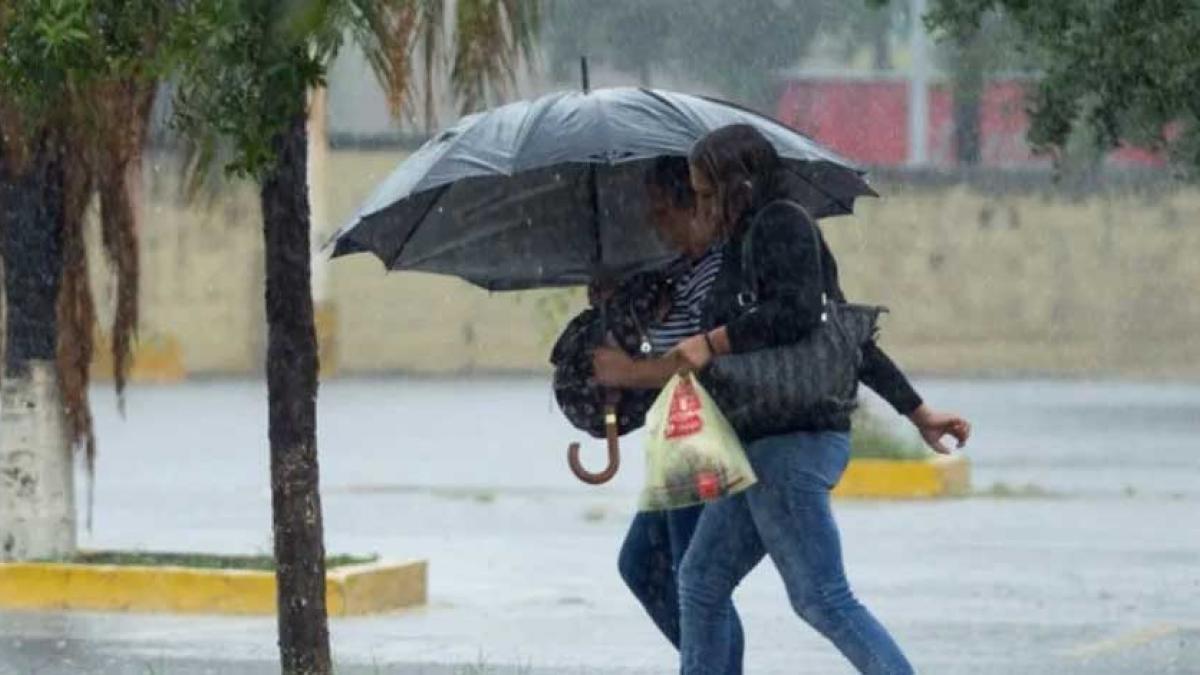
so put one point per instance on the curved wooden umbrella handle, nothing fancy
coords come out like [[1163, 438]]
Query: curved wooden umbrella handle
[[614, 452]]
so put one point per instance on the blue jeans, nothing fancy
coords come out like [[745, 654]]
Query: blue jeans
[[650, 556], [787, 516]]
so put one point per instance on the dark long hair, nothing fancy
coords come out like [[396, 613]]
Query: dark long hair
[[669, 176], [743, 167]]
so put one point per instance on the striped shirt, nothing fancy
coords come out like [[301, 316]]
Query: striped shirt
[[688, 293]]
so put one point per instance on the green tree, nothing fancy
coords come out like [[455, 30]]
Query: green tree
[[971, 57], [77, 81], [245, 70], [1114, 70]]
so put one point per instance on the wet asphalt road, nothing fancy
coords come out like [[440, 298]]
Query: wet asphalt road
[[1079, 553]]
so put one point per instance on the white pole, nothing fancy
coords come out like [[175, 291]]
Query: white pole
[[318, 182], [918, 88], [324, 314]]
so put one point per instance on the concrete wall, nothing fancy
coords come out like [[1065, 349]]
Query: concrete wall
[[1028, 281], [201, 283], [981, 277]]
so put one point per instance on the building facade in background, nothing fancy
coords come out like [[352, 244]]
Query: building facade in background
[[865, 119]]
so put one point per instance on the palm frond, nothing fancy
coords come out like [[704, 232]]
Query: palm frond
[[433, 29], [483, 53], [125, 124], [524, 20], [385, 32], [487, 42], [491, 38], [76, 309]]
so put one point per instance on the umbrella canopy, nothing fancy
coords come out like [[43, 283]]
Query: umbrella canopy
[[550, 192]]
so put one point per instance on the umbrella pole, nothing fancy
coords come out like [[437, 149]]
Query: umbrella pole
[[612, 396]]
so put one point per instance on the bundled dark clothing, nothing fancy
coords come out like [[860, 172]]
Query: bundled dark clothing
[[625, 316]]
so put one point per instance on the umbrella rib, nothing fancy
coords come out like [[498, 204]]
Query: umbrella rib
[[667, 102], [527, 129], [441, 192], [846, 209], [448, 145], [593, 184], [478, 234]]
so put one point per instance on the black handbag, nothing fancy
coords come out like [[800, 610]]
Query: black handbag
[[809, 384]]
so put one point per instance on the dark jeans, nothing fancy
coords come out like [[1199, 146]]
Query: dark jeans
[[785, 515], [650, 556]]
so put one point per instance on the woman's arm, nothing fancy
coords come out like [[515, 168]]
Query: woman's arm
[[614, 368], [936, 424], [885, 378]]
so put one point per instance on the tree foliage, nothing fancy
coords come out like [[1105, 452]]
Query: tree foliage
[[239, 61], [77, 81], [1115, 70]]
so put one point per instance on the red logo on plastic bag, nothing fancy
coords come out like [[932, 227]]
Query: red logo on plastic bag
[[708, 485], [683, 418]]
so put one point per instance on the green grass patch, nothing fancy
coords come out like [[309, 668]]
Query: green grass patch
[[202, 560], [872, 438]]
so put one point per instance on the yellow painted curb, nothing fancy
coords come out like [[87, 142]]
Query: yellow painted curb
[[156, 358], [894, 479], [376, 587], [350, 590]]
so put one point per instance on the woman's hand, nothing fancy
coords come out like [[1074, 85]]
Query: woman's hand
[[612, 366], [694, 353], [934, 425]]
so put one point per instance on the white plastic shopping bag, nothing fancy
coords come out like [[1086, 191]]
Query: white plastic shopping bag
[[692, 453]]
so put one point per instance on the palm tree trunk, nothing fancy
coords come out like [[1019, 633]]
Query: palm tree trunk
[[37, 500], [292, 392]]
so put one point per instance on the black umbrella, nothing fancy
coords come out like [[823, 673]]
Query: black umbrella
[[550, 192]]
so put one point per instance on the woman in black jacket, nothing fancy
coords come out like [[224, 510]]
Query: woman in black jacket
[[740, 180], [649, 567]]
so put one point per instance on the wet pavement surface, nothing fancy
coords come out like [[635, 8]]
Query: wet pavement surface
[[1079, 552]]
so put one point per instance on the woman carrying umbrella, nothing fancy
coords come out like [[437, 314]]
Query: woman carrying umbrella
[[657, 541]]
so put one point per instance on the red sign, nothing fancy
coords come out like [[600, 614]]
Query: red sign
[[866, 121], [683, 418]]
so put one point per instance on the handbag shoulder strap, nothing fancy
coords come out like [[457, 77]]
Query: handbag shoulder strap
[[750, 274]]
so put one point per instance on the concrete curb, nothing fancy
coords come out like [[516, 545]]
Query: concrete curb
[[941, 476], [350, 590]]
